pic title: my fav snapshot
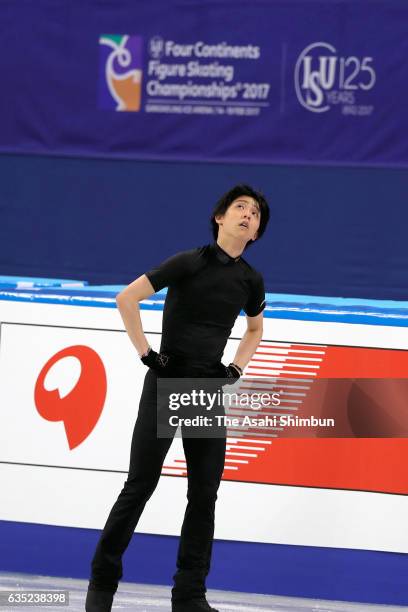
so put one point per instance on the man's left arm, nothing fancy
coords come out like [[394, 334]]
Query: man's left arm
[[250, 341]]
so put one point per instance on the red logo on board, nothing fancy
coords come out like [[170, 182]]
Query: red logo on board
[[78, 405]]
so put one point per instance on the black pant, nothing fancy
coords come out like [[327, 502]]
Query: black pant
[[205, 464]]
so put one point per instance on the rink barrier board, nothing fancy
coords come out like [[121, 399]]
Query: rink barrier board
[[293, 571], [303, 571], [307, 308]]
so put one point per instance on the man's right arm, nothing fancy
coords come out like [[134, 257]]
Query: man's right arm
[[169, 272], [128, 305]]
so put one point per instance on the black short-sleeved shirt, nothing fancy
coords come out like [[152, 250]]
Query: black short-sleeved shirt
[[207, 288]]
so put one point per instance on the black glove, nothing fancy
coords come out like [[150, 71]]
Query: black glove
[[232, 372], [157, 361]]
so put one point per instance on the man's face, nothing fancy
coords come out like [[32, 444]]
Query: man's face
[[241, 219]]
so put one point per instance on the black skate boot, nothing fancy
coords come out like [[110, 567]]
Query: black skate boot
[[192, 605], [98, 601]]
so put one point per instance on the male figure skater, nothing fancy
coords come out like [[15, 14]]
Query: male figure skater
[[207, 288]]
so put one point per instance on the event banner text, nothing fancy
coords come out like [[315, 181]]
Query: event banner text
[[289, 81]]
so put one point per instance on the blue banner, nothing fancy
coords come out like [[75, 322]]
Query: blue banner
[[290, 81]]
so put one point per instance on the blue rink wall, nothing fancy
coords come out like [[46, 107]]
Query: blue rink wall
[[333, 231], [296, 571], [287, 570]]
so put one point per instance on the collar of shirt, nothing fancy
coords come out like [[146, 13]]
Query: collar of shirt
[[222, 256]]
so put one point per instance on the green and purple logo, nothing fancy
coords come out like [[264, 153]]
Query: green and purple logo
[[120, 76]]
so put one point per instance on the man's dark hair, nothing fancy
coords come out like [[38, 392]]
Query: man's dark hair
[[228, 198]]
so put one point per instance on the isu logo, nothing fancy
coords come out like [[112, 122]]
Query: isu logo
[[71, 388], [156, 47], [323, 78]]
